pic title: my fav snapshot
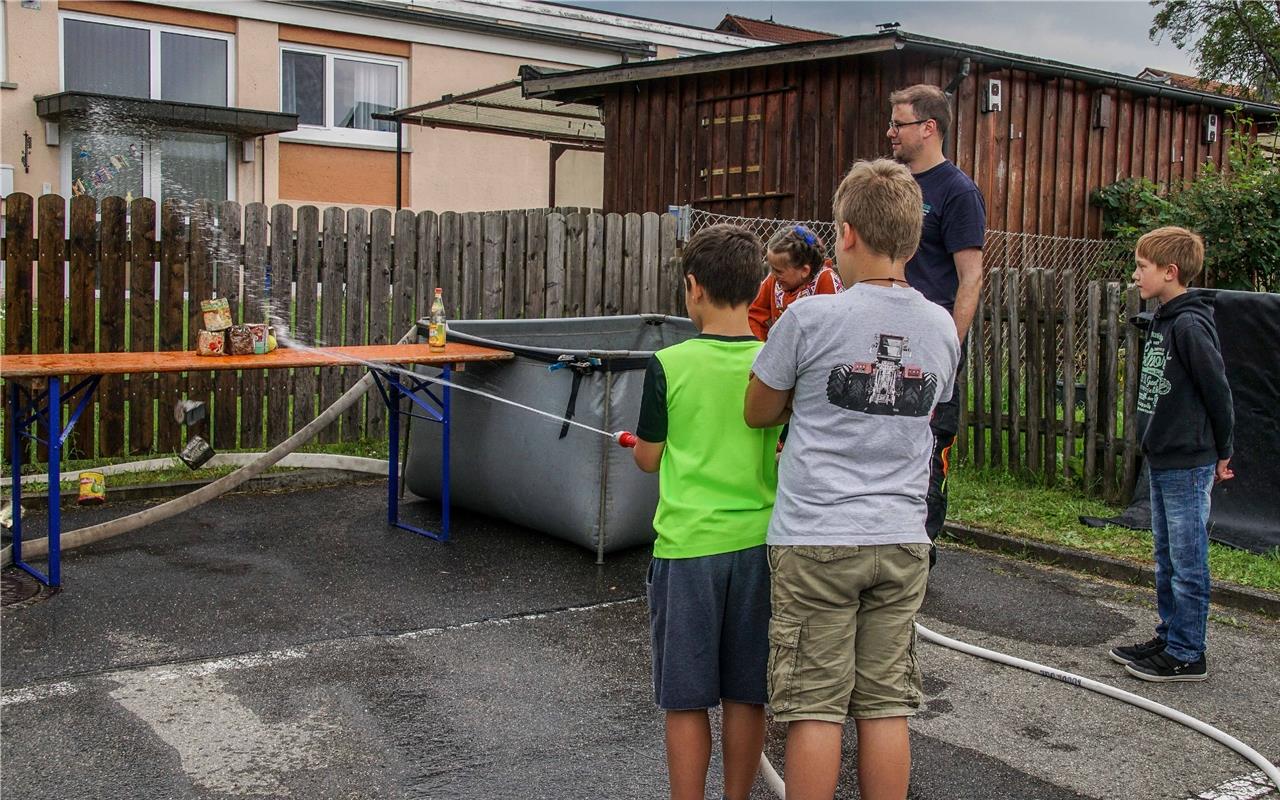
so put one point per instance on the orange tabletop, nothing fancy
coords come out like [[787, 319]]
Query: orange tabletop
[[35, 366]]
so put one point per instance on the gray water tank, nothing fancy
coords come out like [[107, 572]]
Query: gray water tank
[[527, 469]]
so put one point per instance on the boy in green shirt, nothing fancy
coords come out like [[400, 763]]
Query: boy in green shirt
[[708, 583]]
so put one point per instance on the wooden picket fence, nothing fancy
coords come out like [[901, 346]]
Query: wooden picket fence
[[130, 277], [127, 278], [1051, 380]]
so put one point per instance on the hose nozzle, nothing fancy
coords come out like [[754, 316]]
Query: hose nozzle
[[625, 439]]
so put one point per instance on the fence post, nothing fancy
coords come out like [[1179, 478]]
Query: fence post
[[1091, 405], [996, 298], [1132, 367], [1111, 376]]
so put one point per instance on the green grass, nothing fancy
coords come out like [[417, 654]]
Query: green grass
[[1000, 502]]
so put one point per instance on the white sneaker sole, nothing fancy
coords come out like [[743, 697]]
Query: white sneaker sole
[[1143, 676]]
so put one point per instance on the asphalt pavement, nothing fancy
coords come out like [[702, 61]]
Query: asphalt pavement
[[292, 645]]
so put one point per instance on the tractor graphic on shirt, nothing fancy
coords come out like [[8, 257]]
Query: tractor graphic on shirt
[[886, 385]]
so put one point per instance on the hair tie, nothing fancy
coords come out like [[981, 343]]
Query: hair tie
[[808, 237]]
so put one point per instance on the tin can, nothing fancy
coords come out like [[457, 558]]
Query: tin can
[[188, 412], [258, 331], [196, 453], [217, 314], [211, 343], [93, 488], [240, 340]]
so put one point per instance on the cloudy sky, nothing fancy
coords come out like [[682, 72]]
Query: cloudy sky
[[1104, 35]]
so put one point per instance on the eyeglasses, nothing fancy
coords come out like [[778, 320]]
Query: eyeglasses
[[894, 125]]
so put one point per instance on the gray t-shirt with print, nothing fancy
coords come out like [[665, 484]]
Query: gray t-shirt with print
[[867, 366]]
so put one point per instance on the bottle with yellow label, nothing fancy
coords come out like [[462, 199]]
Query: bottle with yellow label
[[436, 328]]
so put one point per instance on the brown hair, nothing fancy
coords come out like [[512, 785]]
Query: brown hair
[[1173, 245], [927, 102], [727, 261], [801, 245], [882, 202]]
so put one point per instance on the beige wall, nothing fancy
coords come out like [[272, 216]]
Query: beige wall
[[580, 179], [258, 86], [455, 170], [447, 169], [32, 47]]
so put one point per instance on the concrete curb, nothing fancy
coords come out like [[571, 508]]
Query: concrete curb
[[1225, 594]]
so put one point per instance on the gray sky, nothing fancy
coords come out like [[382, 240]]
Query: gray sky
[[1104, 35]]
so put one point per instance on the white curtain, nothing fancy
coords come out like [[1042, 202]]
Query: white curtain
[[362, 89]]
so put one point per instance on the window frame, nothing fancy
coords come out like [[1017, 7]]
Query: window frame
[[153, 168], [327, 133], [155, 30]]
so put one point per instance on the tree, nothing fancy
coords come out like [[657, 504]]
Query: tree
[[1233, 41]]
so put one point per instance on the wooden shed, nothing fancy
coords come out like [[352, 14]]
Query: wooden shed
[[769, 131]]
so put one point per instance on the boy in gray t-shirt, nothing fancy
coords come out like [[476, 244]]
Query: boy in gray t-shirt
[[857, 375]]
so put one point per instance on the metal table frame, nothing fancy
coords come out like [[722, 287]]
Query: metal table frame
[[31, 411]]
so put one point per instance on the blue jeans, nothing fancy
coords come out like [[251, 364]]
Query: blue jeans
[[1179, 523]]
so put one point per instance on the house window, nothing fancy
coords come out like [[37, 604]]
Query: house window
[[105, 154], [336, 93], [159, 164]]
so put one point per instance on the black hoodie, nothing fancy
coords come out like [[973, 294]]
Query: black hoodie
[[1183, 394]]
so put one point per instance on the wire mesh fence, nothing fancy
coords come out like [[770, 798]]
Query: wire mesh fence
[[1036, 327]]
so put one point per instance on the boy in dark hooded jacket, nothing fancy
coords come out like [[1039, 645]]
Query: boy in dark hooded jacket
[[1184, 396]]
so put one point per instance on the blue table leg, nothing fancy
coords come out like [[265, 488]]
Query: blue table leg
[[393, 449], [55, 481], [15, 465], [446, 429]]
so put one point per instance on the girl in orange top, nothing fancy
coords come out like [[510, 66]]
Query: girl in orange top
[[796, 269]]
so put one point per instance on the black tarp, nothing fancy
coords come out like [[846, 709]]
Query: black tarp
[[1246, 510]]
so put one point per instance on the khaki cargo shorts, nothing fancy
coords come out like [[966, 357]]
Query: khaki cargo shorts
[[842, 635]]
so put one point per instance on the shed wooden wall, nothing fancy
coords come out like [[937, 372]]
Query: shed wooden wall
[[1036, 161]]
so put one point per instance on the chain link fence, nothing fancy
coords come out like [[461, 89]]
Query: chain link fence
[[1088, 259]]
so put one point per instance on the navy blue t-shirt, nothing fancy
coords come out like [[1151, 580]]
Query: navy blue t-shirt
[[955, 218]]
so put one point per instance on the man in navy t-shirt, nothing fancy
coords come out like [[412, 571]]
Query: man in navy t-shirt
[[947, 268]]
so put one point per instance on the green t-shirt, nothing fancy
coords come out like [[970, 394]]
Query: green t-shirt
[[718, 477]]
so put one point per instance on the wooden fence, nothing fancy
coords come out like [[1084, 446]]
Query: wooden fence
[[130, 278], [354, 277], [1051, 381]]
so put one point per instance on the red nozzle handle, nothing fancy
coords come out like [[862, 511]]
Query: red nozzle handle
[[625, 439]]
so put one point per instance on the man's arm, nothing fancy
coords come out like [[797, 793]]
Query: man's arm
[[969, 271], [765, 406]]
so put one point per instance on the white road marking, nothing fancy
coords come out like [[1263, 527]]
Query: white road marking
[[29, 694], [1245, 787]]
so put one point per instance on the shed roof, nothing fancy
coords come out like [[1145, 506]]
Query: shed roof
[[589, 84]]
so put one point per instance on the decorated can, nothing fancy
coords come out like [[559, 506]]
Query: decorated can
[[258, 331], [196, 452], [217, 314], [93, 488], [211, 343], [240, 340]]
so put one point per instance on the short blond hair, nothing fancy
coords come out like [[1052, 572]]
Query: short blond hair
[[927, 102], [882, 202], [1173, 245]]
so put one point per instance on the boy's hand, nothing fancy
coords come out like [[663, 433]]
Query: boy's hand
[[1223, 472]]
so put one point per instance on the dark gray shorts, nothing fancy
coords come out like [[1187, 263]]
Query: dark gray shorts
[[709, 627]]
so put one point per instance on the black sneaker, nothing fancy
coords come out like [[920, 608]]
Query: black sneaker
[[1136, 652], [1162, 668]]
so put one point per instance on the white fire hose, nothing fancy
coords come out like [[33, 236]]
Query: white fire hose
[[775, 782]]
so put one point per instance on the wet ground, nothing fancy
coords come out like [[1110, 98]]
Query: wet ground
[[291, 645]]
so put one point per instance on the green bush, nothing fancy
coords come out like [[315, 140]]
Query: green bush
[[1236, 210]]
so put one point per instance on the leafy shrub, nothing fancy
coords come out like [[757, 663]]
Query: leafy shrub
[[1236, 210]]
